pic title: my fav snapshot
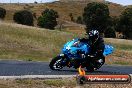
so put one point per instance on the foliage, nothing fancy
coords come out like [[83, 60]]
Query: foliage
[[96, 15], [113, 22], [35, 2], [79, 20], [110, 33], [23, 17], [48, 19], [125, 22], [2, 13]]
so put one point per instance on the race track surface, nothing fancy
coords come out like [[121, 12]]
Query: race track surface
[[17, 68]]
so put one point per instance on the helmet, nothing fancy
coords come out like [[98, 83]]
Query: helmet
[[93, 35]]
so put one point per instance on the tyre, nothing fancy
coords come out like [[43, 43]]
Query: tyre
[[56, 63], [90, 68], [100, 63]]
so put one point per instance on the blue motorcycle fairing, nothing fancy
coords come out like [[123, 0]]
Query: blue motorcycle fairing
[[108, 50], [70, 49]]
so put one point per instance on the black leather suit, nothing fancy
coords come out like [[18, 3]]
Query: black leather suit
[[97, 48]]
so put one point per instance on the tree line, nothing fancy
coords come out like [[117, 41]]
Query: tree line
[[95, 16]]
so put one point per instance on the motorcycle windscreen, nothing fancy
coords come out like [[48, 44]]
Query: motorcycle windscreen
[[108, 50]]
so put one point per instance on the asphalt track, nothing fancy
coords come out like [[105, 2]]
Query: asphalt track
[[18, 68]]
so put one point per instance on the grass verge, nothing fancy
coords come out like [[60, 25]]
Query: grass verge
[[30, 43], [55, 83]]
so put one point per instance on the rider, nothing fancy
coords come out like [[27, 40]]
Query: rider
[[97, 46]]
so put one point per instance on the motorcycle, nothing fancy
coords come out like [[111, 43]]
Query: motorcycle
[[73, 54]]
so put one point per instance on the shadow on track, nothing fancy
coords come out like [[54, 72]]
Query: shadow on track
[[76, 71]]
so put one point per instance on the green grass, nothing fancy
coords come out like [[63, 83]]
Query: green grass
[[122, 47], [47, 82], [55, 83], [60, 82], [122, 63], [123, 51], [120, 44], [30, 43]]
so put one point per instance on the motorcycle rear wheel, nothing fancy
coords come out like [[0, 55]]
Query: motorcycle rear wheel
[[90, 69], [99, 65]]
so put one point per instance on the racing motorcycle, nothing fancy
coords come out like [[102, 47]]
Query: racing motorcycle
[[73, 55]]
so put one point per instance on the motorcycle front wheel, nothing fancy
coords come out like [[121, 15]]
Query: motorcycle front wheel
[[56, 63]]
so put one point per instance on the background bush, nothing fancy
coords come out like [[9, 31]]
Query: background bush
[[79, 20], [110, 33], [2, 13], [48, 19], [23, 17], [125, 23], [96, 16]]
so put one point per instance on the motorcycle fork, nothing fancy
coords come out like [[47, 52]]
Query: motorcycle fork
[[69, 63], [65, 61]]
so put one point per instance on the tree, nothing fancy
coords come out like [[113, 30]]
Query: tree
[[125, 22], [111, 27], [35, 2], [110, 33], [23, 17], [48, 19], [2, 13], [96, 15], [114, 22], [79, 20]]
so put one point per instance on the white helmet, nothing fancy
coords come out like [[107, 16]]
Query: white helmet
[[93, 35]]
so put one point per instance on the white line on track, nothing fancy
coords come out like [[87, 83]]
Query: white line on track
[[38, 77]]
